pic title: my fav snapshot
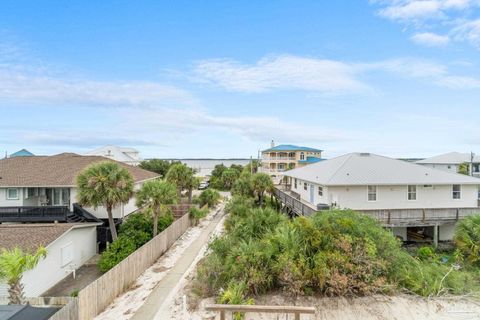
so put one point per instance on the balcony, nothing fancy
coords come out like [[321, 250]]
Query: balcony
[[34, 214], [268, 158]]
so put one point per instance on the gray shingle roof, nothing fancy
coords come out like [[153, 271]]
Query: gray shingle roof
[[372, 169]]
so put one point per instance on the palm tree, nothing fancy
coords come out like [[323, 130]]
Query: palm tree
[[156, 195], [261, 182], [105, 184], [180, 175], [13, 264]]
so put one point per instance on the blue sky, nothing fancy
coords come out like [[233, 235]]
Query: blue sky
[[223, 78]]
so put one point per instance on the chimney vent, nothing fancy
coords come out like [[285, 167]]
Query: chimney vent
[[272, 144]]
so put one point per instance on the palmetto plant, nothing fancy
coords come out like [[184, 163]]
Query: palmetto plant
[[105, 184], [156, 196], [261, 182], [13, 264], [467, 238]]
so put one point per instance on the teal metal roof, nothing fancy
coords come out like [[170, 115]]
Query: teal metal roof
[[290, 147], [21, 153], [311, 160]]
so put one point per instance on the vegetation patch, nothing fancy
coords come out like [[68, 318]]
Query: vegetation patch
[[134, 233], [333, 253]]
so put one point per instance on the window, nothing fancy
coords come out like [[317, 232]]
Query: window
[[320, 191], [456, 191], [295, 183], [304, 186], [372, 193], [412, 192], [56, 196], [31, 192], [12, 194], [302, 156]]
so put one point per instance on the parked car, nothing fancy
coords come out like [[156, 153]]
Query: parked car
[[203, 185]]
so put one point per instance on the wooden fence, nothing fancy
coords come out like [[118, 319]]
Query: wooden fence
[[68, 312], [94, 298]]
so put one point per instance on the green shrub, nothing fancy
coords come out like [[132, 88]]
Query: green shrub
[[196, 214], [210, 197], [467, 239], [134, 232], [165, 221], [136, 222], [235, 294], [116, 252], [426, 253]]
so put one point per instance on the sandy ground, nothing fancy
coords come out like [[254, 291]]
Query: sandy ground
[[402, 307], [125, 305]]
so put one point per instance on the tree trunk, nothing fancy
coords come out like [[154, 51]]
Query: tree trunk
[[260, 198], [190, 193], [155, 223], [15, 293], [111, 223]]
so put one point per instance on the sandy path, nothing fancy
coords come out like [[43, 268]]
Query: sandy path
[[125, 306]]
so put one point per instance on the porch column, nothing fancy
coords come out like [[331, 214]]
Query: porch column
[[435, 236]]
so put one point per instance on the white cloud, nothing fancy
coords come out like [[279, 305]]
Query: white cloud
[[267, 76], [284, 72], [430, 39], [412, 9], [454, 18], [427, 71], [258, 128], [468, 31], [36, 84]]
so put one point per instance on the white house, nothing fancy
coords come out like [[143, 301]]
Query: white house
[[50, 181], [397, 192], [129, 156], [451, 162], [68, 247]]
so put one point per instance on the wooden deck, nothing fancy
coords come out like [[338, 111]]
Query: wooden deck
[[387, 217]]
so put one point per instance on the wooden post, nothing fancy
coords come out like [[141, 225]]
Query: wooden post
[[423, 215], [297, 316], [388, 217], [456, 218], [222, 315]]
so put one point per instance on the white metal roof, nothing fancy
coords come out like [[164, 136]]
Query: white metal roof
[[450, 158], [372, 169], [121, 154]]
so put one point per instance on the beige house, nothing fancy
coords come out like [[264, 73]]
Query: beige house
[[278, 159], [37, 186]]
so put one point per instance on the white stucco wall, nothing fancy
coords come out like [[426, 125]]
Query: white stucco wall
[[118, 212], [48, 272], [446, 231], [392, 197], [4, 202], [400, 232]]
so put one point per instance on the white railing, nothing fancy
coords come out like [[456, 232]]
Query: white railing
[[278, 158]]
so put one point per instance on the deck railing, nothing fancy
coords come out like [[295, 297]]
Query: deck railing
[[294, 204], [34, 214], [388, 217], [405, 217]]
